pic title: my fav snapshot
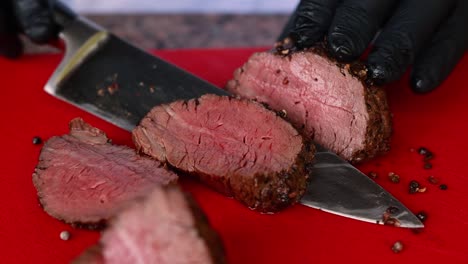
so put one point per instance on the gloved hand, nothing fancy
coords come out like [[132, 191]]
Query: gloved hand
[[30, 17], [431, 34]]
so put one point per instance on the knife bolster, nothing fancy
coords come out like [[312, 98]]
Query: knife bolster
[[82, 39]]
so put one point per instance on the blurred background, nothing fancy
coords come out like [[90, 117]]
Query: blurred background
[[187, 24]]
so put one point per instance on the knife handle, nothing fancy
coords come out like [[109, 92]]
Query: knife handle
[[62, 14]]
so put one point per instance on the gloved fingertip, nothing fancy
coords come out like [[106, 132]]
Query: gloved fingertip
[[340, 51], [304, 39], [421, 85]]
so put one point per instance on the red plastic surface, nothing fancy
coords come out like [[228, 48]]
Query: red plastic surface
[[299, 234]]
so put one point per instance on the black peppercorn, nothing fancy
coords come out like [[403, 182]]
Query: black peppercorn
[[373, 175], [36, 140], [413, 186], [423, 151], [443, 187], [422, 216], [428, 156], [395, 178], [427, 166]]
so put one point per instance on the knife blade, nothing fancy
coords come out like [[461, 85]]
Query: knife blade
[[120, 83], [333, 188]]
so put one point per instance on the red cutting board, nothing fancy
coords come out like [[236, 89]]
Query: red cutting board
[[299, 234]]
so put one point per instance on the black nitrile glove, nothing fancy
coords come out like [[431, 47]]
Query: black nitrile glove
[[431, 34], [30, 17]]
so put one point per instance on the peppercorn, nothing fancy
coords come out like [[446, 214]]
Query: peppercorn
[[397, 247], [443, 187], [423, 151], [428, 156], [422, 216], [387, 219], [395, 178], [413, 186], [373, 175], [36, 140], [427, 165], [283, 113]]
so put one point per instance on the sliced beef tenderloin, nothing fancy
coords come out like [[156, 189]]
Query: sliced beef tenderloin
[[82, 179], [237, 147], [329, 102], [166, 227], [92, 255]]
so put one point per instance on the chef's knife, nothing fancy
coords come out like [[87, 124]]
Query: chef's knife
[[120, 83]]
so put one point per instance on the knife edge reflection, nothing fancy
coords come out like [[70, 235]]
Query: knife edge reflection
[[339, 188]]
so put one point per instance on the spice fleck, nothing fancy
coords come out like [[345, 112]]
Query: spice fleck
[[36, 140]]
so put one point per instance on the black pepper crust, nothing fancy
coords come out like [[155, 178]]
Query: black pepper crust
[[379, 125], [212, 239], [266, 192]]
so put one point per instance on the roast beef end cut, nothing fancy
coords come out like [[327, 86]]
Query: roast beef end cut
[[165, 227], [329, 102], [84, 180], [236, 146]]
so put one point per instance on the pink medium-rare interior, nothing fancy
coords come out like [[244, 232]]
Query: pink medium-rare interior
[[219, 136], [160, 230], [79, 181], [313, 91]]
